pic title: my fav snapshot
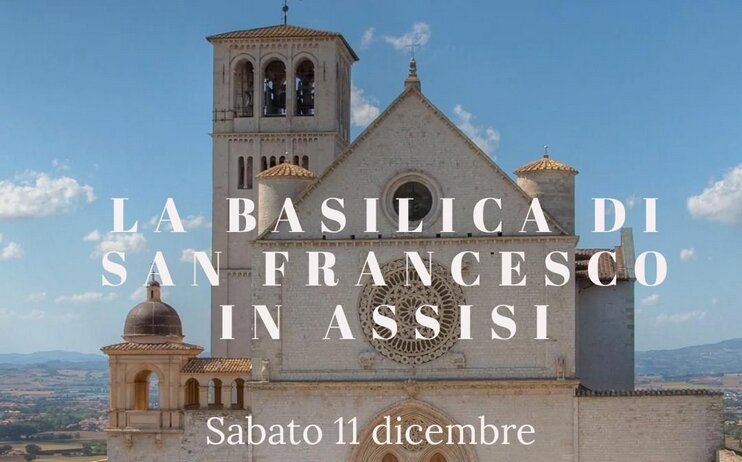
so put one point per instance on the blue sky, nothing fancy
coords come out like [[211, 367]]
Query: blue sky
[[113, 99]]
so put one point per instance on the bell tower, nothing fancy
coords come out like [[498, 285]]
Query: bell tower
[[281, 95]]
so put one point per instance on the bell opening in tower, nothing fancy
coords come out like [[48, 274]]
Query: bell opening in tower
[[274, 89], [305, 88], [244, 80]]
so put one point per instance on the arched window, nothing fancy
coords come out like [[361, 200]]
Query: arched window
[[273, 161], [437, 457], [146, 391], [244, 81], [304, 87], [263, 164], [248, 173], [390, 458], [296, 160], [215, 393], [274, 89], [240, 172], [192, 398], [305, 162], [238, 394], [282, 159]]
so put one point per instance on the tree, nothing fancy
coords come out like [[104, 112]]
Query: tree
[[5, 449], [30, 457], [33, 449]]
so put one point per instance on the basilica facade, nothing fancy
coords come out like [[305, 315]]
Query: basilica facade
[[281, 131]]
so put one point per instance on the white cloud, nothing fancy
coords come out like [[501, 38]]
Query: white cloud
[[487, 138], [189, 223], [722, 201], [680, 317], [651, 300], [186, 256], [419, 35], [33, 315], [715, 301], [688, 254], [363, 110], [195, 221], [368, 37], [138, 294], [92, 236], [12, 251], [86, 297], [630, 201], [61, 165], [122, 242], [36, 297], [39, 195]]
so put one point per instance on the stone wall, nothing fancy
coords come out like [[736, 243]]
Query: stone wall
[[650, 428]]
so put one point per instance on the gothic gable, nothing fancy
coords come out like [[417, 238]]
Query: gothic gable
[[413, 145]]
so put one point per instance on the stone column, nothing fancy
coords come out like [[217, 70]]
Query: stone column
[[203, 395]]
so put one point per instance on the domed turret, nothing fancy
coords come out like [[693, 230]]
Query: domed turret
[[553, 183], [153, 321], [277, 184]]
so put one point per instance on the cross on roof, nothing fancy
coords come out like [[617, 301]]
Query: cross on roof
[[412, 45]]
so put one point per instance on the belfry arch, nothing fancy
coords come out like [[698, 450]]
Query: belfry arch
[[411, 412]]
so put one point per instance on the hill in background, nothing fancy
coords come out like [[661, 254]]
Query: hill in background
[[711, 359]]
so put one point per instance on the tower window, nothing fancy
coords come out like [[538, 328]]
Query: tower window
[[305, 162], [263, 164], [240, 172], [274, 89], [244, 79], [248, 173], [304, 87], [244, 172], [296, 160]]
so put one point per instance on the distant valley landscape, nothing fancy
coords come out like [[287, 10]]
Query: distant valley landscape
[[55, 402]]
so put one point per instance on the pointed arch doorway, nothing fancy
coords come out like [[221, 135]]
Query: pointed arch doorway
[[416, 413]]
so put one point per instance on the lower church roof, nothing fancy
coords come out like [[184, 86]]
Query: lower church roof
[[607, 268], [217, 365]]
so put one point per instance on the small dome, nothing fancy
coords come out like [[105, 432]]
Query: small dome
[[287, 170], [545, 163], [152, 319]]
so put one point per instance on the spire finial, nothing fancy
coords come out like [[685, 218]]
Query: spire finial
[[412, 79], [285, 10], [546, 151], [153, 288]]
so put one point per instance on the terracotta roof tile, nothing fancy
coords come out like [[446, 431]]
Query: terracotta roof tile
[[545, 163], [281, 31], [217, 365], [287, 170], [606, 265], [132, 346]]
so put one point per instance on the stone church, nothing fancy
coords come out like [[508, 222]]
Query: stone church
[[281, 129]]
